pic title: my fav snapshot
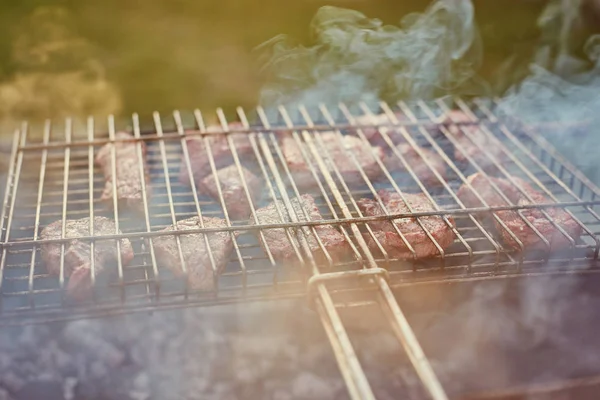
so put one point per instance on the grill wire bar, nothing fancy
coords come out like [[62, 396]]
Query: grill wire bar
[[55, 179], [354, 376], [400, 325]]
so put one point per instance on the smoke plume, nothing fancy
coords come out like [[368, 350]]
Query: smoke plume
[[562, 87], [355, 58], [505, 332]]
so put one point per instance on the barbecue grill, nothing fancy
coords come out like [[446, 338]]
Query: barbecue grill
[[54, 178]]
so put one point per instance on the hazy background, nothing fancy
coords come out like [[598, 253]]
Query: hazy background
[[62, 58]]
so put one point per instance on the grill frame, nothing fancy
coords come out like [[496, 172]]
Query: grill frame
[[324, 287]]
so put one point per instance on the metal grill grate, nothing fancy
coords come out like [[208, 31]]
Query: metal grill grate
[[55, 179]]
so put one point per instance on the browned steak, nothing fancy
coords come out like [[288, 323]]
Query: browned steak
[[339, 154], [278, 242], [416, 162], [233, 190], [221, 153], [127, 166], [195, 253], [374, 133], [484, 189], [511, 218], [385, 233], [472, 141], [77, 256]]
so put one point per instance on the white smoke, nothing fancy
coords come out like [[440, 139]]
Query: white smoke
[[563, 87], [437, 53], [354, 58]]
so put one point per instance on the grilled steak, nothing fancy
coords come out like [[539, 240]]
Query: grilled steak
[[221, 153], [373, 134], [511, 218], [385, 233], [127, 166], [474, 143], [194, 250], [77, 256], [414, 160], [484, 189], [339, 153], [277, 241], [233, 190]]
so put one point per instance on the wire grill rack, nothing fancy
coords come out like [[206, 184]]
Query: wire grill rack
[[55, 179]]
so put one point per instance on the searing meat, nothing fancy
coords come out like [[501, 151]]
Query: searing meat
[[128, 180], [484, 189], [232, 189], [220, 152], [372, 132], [473, 142], [389, 239], [517, 195], [195, 253], [78, 257], [417, 163], [337, 153], [277, 241], [384, 124]]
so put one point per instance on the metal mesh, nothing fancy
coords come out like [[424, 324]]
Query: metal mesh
[[56, 179]]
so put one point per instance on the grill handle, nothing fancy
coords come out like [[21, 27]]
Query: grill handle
[[5, 150]]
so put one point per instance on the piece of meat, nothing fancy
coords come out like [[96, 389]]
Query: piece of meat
[[195, 253], [232, 189], [416, 162], [486, 191], [278, 242], [78, 257], [374, 133], [511, 218], [471, 141], [127, 166], [339, 153], [221, 153], [391, 242]]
